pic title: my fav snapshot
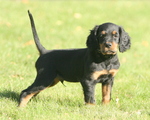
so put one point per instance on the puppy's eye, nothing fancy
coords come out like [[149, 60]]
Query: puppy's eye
[[103, 34], [115, 36]]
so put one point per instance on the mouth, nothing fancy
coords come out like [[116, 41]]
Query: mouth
[[108, 52]]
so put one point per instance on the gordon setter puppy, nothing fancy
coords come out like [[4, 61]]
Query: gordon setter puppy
[[98, 63]]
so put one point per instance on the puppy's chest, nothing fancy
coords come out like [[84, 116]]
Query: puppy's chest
[[103, 72]]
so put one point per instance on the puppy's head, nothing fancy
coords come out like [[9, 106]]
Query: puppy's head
[[106, 38]]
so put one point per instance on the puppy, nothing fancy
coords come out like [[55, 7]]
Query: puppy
[[98, 63]]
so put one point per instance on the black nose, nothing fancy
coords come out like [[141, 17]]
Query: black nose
[[108, 44]]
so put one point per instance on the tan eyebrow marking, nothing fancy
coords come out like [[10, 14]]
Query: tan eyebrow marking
[[103, 32], [114, 32]]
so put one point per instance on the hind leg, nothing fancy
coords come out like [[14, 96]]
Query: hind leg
[[56, 80], [41, 82], [28, 93]]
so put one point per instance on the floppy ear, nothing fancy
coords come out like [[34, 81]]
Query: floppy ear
[[124, 40], [92, 40]]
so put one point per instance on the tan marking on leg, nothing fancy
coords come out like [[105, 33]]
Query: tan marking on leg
[[113, 72], [26, 99], [97, 74], [106, 91]]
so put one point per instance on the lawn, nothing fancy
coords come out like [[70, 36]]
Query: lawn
[[66, 24]]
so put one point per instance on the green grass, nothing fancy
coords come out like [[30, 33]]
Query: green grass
[[66, 24]]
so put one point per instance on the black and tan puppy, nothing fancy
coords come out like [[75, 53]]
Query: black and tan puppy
[[98, 63]]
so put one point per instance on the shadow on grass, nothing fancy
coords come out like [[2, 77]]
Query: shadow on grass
[[14, 96], [58, 101], [9, 94]]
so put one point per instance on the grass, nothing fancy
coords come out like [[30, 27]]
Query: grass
[[66, 24]]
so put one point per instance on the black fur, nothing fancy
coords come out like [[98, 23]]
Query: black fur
[[88, 66]]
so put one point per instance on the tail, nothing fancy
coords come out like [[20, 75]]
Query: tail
[[39, 46]]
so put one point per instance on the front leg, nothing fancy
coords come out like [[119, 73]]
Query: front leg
[[89, 91], [106, 92]]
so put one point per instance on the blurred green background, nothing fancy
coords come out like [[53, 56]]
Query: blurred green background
[[66, 24]]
